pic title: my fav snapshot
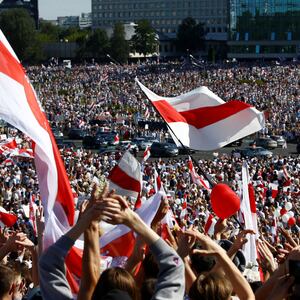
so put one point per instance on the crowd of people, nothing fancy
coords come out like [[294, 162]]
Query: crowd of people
[[177, 260]]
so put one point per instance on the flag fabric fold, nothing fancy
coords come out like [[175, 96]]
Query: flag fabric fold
[[20, 107], [196, 178], [203, 121], [248, 210], [126, 177]]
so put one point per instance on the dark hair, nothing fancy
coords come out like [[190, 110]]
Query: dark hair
[[7, 277], [150, 266], [148, 288], [211, 287], [202, 263], [116, 278]]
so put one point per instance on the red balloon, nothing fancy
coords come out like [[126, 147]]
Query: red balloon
[[292, 221], [283, 211], [224, 201]]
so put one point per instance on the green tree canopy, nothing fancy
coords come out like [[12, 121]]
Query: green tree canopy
[[119, 47], [190, 35], [144, 40], [97, 44], [19, 28], [49, 32]]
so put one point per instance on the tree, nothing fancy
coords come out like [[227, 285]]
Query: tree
[[190, 35], [48, 32], [119, 47], [19, 28], [97, 44], [144, 40]]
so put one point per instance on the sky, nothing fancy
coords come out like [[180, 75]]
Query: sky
[[51, 9]]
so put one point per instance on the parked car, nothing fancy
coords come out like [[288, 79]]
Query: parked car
[[237, 143], [76, 134], [279, 139], [163, 150], [89, 142], [264, 142], [145, 141], [256, 152], [181, 150]]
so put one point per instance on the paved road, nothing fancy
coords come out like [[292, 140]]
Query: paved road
[[291, 150]]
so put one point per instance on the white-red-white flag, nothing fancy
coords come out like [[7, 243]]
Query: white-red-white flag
[[184, 210], [126, 177], [32, 209], [196, 178], [147, 113], [19, 107], [147, 154], [203, 121], [6, 218], [157, 182], [210, 222], [116, 140], [7, 146], [248, 209], [27, 153]]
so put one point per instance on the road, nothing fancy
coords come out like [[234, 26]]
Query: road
[[290, 150]]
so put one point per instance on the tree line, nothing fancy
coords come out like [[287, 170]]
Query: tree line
[[19, 28]]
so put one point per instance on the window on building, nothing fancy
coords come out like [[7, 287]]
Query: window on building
[[289, 36], [273, 36], [246, 36], [257, 49]]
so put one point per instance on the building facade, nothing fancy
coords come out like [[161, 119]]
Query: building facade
[[264, 29], [30, 5], [164, 15], [82, 21]]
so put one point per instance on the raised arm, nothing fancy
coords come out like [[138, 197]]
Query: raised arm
[[170, 283]]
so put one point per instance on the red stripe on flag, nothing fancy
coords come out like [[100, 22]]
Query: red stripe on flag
[[200, 117], [10, 66], [252, 198], [8, 219], [122, 246], [123, 180], [208, 223]]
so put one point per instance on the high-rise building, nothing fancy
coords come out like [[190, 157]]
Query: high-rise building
[[30, 5], [164, 15], [264, 28]]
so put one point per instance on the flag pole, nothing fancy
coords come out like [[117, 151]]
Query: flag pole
[[211, 181]]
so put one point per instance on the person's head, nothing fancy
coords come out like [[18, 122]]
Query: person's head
[[202, 264], [10, 284], [115, 278], [148, 288], [211, 287]]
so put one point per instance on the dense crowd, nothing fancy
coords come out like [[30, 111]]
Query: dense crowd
[[109, 92], [177, 260]]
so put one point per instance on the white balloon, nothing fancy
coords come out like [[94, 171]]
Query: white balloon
[[177, 201], [277, 213], [290, 214], [285, 218], [288, 206]]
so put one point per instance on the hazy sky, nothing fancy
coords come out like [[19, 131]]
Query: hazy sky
[[51, 9]]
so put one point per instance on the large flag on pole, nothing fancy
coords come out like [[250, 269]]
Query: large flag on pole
[[203, 121], [19, 107]]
